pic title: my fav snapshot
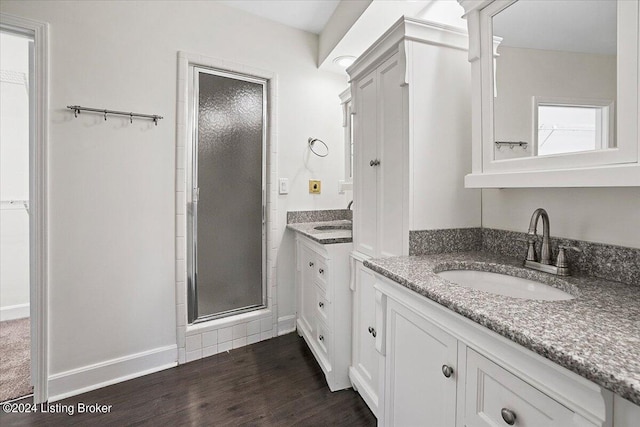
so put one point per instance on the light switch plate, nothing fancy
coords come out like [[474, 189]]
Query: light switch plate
[[315, 186], [283, 185]]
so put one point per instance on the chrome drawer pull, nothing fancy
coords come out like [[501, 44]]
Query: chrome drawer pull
[[310, 264], [508, 416], [320, 304], [447, 371], [321, 271], [321, 338]]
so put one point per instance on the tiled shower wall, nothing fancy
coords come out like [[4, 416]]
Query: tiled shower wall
[[209, 338]]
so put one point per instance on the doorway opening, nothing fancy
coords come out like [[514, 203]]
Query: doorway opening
[[23, 193], [16, 74]]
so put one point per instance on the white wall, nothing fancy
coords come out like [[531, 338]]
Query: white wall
[[112, 183], [604, 215], [447, 12], [14, 178], [440, 153], [524, 73]]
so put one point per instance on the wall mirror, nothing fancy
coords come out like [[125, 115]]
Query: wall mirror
[[555, 78], [555, 90]]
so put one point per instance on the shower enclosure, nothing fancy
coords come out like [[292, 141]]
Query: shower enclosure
[[226, 233]]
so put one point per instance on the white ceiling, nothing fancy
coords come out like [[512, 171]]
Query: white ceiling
[[564, 25], [308, 15], [313, 15]]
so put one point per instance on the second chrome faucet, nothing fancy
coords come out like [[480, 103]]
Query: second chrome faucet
[[545, 263]]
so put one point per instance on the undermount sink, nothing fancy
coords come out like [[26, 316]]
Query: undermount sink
[[502, 284], [333, 227]]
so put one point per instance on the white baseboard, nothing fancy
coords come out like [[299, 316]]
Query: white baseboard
[[286, 324], [87, 378], [11, 312]]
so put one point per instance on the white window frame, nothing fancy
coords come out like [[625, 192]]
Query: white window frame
[[605, 123]]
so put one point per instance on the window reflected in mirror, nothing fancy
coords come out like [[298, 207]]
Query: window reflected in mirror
[[571, 128], [554, 77]]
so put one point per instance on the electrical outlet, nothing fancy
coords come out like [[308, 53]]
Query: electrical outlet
[[315, 186]]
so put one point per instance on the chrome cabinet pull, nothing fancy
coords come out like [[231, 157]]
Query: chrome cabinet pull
[[447, 371], [321, 338], [320, 304], [508, 416], [372, 331], [310, 264], [375, 162], [321, 271]]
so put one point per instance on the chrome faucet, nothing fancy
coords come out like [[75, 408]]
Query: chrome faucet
[[545, 264], [545, 251], [349, 205]]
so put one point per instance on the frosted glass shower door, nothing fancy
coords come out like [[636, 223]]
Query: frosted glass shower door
[[227, 205]]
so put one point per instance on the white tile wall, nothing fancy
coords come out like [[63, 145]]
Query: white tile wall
[[225, 346], [225, 334], [210, 339], [202, 341]]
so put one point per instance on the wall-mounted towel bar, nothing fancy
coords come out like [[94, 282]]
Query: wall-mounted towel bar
[[77, 109], [311, 142]]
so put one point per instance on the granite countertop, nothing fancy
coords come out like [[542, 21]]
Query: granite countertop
[[596, 335], [325, 237]]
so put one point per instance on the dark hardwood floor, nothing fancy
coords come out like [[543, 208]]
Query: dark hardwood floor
[[271, 383]]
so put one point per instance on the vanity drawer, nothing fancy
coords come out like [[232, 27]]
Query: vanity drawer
[[322, 273], [322, 305], [323, 341], [496, 397]]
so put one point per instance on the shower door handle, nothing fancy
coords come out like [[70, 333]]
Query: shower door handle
[[196, 194]]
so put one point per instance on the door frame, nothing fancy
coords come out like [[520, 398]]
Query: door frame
[[200, 334], [38, 189]]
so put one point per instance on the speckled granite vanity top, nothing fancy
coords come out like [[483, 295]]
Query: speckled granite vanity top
[[596, 335], [325, 237]]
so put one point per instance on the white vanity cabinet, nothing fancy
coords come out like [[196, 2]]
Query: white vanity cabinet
[[378, 210], [324, 306], [411, 131], [366, 362], [411, 125], [417, 392], [443, 369]]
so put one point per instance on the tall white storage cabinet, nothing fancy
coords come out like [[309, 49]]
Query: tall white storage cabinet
[[412, 118]]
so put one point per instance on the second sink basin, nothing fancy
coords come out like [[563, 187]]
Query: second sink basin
[[502, 284]]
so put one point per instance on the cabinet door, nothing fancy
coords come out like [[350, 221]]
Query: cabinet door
[[307, 289], [365, 358], [365, 140], [391, 153], [417, 392]]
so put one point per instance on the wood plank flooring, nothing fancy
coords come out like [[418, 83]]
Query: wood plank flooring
[[271, 383]]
